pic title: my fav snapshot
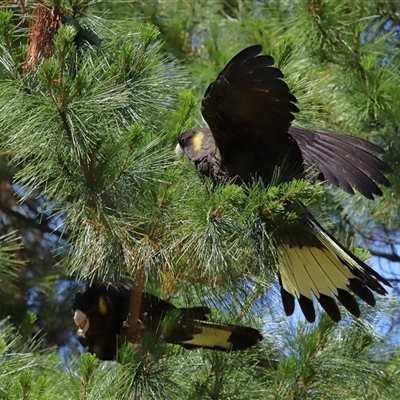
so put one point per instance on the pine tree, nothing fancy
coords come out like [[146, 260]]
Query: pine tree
[[90, 111]]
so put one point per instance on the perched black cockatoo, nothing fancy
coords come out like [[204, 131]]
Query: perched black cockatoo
[[100, 311], [249, 110]]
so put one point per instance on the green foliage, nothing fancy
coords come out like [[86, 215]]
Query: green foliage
[[9, 244], [326, 360], [98, 115], [90, 131]]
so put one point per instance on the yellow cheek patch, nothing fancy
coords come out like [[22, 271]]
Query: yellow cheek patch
[[198, 140], [102, 305]]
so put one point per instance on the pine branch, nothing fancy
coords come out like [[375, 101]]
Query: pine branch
[[133, 321], [389, 256]]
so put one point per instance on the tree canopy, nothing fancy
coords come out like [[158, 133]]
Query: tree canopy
[[93, 96]]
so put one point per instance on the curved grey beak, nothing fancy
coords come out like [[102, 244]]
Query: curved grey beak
[[178, 149]]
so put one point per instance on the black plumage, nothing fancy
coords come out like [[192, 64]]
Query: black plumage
[[342, 160], [100, 312], [249, 110]]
